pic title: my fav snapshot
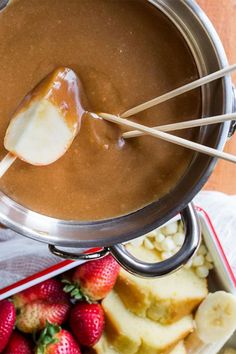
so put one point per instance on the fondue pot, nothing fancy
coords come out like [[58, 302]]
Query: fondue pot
[[110, 235]]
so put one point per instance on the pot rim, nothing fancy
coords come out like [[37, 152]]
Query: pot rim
[[44, 228]]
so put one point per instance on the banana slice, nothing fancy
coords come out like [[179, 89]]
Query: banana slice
[[216, 317], [47, 120]]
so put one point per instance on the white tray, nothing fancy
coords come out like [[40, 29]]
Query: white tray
[[221, 278]]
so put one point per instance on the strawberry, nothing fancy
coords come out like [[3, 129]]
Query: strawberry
[[93, 280], [87, 323], [18, 344], [7, 322], [33, 316], [49, 290], [54, 340]]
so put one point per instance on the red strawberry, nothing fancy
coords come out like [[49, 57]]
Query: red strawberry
[[94, 280], [7, 322], [33, 316], [55, 340], [87, 323], [49, 290], [18, 344]]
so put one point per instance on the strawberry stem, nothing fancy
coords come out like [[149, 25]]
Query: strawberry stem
[[75, 291], [47, 337]]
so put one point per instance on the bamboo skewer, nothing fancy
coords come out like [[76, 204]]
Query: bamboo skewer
[[194, 345], [6, 163], [9, 159], [168, 137], [184, 125], [179, 91]]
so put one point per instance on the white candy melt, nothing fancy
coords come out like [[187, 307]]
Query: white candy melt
[[202, 272], [159, 237], [170, 229], [168, 244], [179, 238]]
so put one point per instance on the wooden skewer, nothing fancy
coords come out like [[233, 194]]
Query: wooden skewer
[[6, 163], [184, 125], [168, 137], [179, 91], [8, 160]]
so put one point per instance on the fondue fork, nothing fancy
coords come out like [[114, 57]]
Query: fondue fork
[[179, 91], [185, 125], [169, 137]]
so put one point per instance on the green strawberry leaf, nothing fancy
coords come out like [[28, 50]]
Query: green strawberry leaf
[[78, 296], [40, 349], [75, 292], [87, 299], [47, 340], [68, 288], [52, 329], [47, 337]]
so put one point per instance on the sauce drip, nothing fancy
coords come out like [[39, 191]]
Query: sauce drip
[[63, 88]]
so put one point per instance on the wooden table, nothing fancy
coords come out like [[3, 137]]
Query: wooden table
[[223, 16]]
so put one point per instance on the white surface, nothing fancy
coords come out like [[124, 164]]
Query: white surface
[[222, 210]]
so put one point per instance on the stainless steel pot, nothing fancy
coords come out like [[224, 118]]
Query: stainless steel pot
[[217, 98]]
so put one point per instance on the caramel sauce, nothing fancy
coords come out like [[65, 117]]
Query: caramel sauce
[[124, 52]]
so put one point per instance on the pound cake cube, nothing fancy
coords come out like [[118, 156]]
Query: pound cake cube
[[165, 299], [103, 347], [130, 334], [179, 349], [121, 325]]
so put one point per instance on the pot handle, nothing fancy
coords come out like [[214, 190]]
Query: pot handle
[[3, 3], [83, 256], [232, 128], [143, 269]]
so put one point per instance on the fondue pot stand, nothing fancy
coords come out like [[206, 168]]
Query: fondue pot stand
[[109, 235]]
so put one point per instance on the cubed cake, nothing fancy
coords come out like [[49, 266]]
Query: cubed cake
[[165, 299], [130, 334]]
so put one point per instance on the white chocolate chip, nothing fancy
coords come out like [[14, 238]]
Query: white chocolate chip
[[198, 261], [148, 244], [202, 272], [178, 239], [166, 255], [168, 244], [188, 264], [151, 234], [158, 246], [159, 237], [208, 265], [170, 229], [202, 250], [137, 242]]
